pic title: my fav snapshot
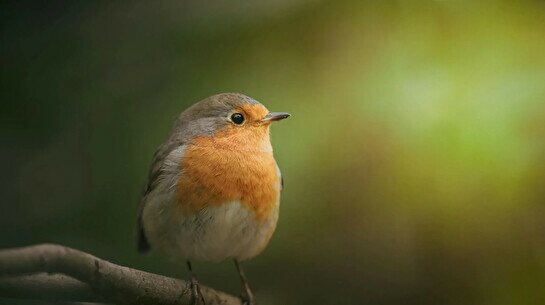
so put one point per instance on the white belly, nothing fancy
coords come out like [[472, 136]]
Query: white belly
[[213, 234]]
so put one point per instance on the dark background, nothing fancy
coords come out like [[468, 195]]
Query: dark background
[[414, 160]]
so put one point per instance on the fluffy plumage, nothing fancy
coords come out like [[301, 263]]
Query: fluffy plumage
[[214, 187]]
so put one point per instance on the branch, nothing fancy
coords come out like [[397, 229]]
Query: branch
[[59, 273], [47, 287]]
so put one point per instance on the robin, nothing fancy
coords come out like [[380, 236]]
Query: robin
[[213, 190]]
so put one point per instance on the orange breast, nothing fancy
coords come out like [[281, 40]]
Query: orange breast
[[236, 164]]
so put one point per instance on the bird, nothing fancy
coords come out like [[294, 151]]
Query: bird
[[213, 188]]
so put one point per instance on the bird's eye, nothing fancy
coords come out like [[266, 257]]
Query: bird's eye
[[237, 118]]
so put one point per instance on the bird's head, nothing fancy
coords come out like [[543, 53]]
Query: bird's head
[[230, 120]]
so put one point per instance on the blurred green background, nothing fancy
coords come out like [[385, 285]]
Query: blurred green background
[[414, 160]]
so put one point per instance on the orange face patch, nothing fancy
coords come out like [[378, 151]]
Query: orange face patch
[[253, 112], [235, 164]]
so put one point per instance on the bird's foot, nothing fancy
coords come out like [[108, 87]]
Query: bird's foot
[[248, 298], [196, 294]]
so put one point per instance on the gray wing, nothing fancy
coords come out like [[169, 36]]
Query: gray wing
[[179, 134], [153, 179]]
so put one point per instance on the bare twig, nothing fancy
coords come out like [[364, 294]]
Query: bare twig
[[49, 287], [53, 272]]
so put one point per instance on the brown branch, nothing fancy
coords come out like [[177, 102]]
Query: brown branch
[[73, 275], [48, 287]]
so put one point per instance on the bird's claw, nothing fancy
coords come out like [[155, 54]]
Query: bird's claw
[[248, 299], [196, 293]]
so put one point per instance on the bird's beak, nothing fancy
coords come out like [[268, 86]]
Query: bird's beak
[[274, 116]]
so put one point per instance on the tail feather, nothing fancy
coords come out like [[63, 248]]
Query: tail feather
[[143, 244]]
